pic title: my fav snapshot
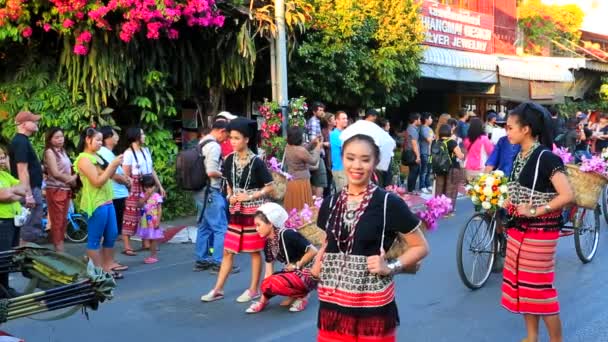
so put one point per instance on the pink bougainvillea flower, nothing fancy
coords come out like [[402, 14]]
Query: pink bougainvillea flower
[[47, 27], [80, 49], [173, 34], [68, 23], [85, 37], [27, 32]]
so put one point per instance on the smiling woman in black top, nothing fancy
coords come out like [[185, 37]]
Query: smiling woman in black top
[[356, 289]]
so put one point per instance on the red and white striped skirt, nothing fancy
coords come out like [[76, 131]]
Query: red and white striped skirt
[[241, 236], [529, 272]]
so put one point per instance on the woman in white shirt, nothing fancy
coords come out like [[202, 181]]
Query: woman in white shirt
[[137, 163]]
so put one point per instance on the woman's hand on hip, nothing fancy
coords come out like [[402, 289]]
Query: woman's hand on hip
[[376, 264]]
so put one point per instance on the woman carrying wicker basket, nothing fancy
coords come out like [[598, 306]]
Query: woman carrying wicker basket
[[299, 161], [538, 190], [356, 289], [292, 250]]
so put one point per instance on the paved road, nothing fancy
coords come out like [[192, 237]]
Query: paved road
[[161, 303]]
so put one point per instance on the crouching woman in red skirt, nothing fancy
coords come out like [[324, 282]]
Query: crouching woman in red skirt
[[290, 248], [356, 288], [538, 191]]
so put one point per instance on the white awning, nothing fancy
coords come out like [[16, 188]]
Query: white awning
[[460, 66], [459, 59], [596, 66], [537, 68]]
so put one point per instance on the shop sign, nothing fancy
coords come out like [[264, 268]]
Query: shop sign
[[457, 29], [544, 90]]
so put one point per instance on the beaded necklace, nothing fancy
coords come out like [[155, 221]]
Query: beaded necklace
[[521, 161], [343, 220]]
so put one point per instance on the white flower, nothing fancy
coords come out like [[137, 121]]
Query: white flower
[[488, 192], [503, 189], [490, 181], [477, 188], [499, 174], [468, 187], [501, 202], [486, 205], [475, 200]]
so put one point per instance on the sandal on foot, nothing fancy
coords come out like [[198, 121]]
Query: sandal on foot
[[256, 307], [299, 305], [212, 296], [150, 260], [117, 275], [129, 252], [120, 267], [247, 296]]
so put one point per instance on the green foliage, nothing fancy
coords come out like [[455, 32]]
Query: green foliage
[[360, 53], [157, 105], [32, 88]]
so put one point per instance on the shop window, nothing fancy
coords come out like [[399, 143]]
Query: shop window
[[469, 104]]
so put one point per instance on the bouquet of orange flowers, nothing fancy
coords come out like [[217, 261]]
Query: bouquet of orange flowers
[[488, 191]]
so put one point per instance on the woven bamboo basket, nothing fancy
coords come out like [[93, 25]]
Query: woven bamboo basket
[[399, 246], [280, 186], [313, 234], [587, 186]]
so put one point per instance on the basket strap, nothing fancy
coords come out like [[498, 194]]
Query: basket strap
[[284, 246], [536, 175], [383, 225]]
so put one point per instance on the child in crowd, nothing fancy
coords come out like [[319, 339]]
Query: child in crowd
[[151, 206]]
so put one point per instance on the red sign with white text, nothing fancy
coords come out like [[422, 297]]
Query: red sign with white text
[[458, 29]]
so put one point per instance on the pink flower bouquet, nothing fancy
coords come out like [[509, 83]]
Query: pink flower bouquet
[[436, 208], [563, 153]]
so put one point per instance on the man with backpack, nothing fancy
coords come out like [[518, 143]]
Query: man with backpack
[[212, 220]]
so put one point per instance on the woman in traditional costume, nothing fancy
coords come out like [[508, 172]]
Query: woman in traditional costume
[[538, 191], [356, 288], [249, 185], [291, 249]]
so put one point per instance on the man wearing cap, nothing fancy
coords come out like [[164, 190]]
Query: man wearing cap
[[371, 115], [225, 145], [491, 117], [26, 166]]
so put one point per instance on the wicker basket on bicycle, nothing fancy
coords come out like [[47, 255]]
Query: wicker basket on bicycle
[[587, 186]]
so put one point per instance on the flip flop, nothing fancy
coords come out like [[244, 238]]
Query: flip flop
[[129, 252], [117, 275], [120, 267]]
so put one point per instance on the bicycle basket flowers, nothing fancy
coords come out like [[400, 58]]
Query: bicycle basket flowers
[[488, 191]]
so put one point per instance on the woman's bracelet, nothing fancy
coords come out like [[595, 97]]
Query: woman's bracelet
[[395, 266]]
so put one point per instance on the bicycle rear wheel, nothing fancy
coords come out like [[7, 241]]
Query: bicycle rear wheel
[[475, 251], [586, 233], [605, 203], [77, 229]]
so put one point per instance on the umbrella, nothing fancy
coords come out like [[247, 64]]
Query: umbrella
[[383, 140]]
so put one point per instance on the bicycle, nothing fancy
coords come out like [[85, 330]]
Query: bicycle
[[481, 238], [77, 227]]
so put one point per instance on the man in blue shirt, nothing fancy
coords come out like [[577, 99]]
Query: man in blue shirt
[[337, 168], [502, 157]]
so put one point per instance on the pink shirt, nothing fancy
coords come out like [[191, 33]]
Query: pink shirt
[[474, 160]]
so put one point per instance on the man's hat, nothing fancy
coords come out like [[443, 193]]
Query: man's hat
[[25, 117]]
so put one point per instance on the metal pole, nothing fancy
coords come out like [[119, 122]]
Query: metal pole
[[273, 69], [281, 54]]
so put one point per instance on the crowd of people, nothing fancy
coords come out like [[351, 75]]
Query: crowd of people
[[122, 196]]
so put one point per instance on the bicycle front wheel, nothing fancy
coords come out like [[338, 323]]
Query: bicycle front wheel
[[586, 233], [475, 251], [605, 203], [77, 229]]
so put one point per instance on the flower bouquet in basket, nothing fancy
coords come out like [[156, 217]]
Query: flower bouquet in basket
[[488, 191], [305, 222], [279, 177], [588, 179]]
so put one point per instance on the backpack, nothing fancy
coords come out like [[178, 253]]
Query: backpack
[[190, 172], [441, 161]]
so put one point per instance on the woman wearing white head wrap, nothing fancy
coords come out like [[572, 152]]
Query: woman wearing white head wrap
[[290, 248], [356, 289]]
